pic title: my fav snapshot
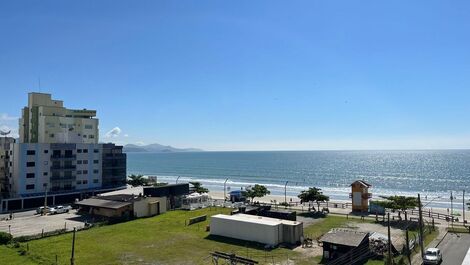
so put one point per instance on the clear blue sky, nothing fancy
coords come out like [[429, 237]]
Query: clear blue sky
[[248, 75]]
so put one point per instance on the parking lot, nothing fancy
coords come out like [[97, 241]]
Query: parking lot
[[454, 247], [30, 223]]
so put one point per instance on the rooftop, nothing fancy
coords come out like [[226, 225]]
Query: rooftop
[[256, 219], [109, 204], [344, 237]]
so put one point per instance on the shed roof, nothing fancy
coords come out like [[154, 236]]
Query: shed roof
[[248, 218], [344, 237], [362, 182], [109, 204]]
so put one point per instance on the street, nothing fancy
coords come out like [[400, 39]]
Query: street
[[454, 247]]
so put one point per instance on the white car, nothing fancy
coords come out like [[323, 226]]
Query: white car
[[432, 256], [41, 210], [59, 209]]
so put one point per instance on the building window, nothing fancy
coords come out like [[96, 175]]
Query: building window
[[91, 136], [79, 150], [45, 174], [46, 151], [96, 161], [51, 135], [30, 152], [88, 126], [30, 187], [79, 182], [84, 136], [96, 181], [85, 182], [79, 172], [85, 151], [96, 171], [85, 162], [30, 164], [30, 175], [79, 162], [96, 151], [85, 172]]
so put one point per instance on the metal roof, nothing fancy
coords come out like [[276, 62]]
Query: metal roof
[[109, 204], [248, 218], [344, 237]]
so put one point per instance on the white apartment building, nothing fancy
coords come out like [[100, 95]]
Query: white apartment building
[[45, 120], [57, 154]]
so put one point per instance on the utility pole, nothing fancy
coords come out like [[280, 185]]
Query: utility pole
[[452, 209], [225, 185], [72, 258], [285, 192], [45, 200], [421, 234], [463, 206], [389, 245]]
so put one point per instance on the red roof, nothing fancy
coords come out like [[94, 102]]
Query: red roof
[[362, 182]]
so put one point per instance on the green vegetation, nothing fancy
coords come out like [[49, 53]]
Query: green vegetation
[[197, 186], [5, 238], [313, 195], [137, 180], [163, 238], [398, 202], [11, 256], [256, 191]]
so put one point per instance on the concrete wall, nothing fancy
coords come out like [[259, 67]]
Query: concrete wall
[[148, 206]]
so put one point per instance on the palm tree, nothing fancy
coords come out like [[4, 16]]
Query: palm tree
[[197, 187], [137, 180]]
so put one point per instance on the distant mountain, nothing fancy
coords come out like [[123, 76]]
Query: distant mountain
[[157, 148]]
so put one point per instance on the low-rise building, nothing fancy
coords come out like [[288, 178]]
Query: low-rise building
[[123, 205], [259, 229], [345, 244]]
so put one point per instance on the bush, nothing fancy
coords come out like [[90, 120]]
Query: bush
[[5, 238]]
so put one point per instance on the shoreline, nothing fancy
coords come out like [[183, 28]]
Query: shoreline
[[279, 198]]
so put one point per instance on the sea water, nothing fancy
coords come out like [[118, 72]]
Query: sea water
[[433, 174]]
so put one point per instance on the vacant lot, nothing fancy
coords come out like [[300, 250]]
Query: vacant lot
[[161, 239]]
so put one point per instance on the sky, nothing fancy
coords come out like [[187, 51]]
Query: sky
[[247, 75]]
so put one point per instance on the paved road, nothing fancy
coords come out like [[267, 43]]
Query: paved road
[[31, 224], [454, 247]]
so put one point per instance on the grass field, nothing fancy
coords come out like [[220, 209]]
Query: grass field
[[162, 239]]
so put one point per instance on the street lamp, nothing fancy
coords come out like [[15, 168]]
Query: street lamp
[[177, 179], [225, 196], [45, 199], [285, 192]]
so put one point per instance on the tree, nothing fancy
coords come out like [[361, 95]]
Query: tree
[[197, 187], [313, 195], [402, 203], [137, 180], [256, 191]]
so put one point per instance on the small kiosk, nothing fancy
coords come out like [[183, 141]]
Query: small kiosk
[[360, 196]]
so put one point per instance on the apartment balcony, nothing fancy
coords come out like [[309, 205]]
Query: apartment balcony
[[67, 167], [63, 178], [63, 157]]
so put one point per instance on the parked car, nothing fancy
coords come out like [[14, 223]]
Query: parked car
[[432, 256], [59, 209], [42, 209]]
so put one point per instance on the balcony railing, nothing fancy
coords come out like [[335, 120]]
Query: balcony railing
[[63, 156], [67, 167]]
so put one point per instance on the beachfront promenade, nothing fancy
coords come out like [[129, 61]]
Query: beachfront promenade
[[440, 215]]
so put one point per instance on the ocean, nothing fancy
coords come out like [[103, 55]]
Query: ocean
[[433, 174]]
